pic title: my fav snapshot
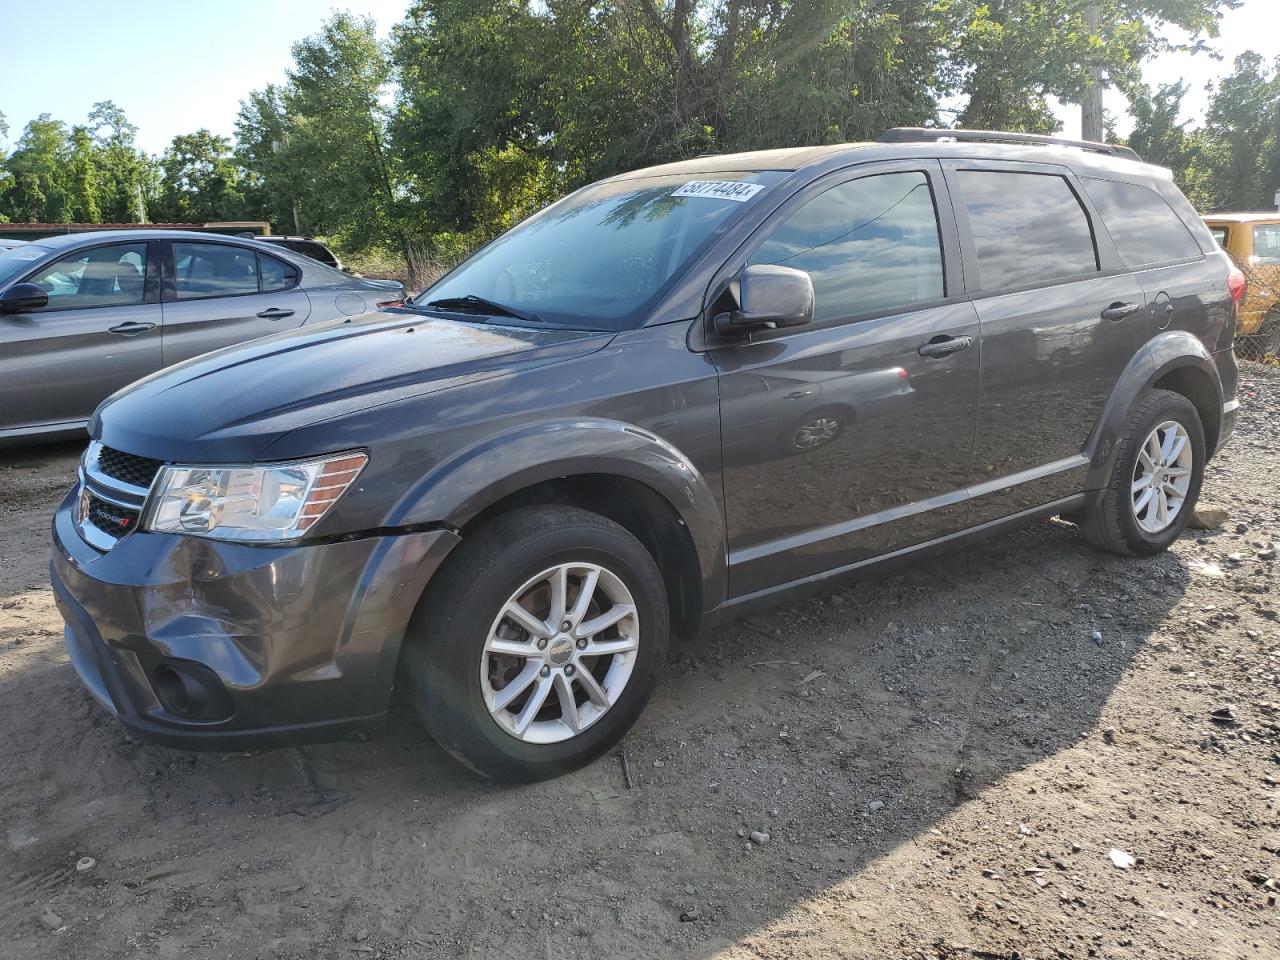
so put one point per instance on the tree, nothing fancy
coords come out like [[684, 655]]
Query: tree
[[532, 99], [1244, 121], [270, 183], [1017, 53], [37, 192], [82, 177], [123, 166], [200, 181], [1233, 161], [6, 179]]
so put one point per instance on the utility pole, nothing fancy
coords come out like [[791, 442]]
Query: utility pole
[[1091, 107]]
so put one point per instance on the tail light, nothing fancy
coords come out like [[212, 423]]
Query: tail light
[[1235, 285]]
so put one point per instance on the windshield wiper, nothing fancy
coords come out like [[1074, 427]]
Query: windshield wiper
[[481, 305]]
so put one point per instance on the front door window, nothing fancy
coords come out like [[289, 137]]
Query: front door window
[[110, 276]]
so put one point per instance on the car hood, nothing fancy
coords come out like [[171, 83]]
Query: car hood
[[230, 405]]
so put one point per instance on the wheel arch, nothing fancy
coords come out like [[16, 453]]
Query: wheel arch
[[1176, 360], [620, 471]]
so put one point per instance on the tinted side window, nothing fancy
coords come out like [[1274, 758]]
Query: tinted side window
[[110, 276], [1266, 243], [276, 274], [315, 251], [870, 245], [1145, 228], [213, 270], [1028, 228]]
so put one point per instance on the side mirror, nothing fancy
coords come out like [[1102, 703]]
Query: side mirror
[[769, 296], [22, 297]]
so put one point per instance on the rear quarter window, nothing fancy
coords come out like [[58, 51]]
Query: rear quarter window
[[1144, 228], [276, 274], [1028, 228]]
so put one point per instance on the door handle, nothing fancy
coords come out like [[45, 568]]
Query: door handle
[[132, 328], [275, 313], [945, 346], [1118, 311]]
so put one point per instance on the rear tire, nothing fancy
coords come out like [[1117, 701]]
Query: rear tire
[[512, 693], [1155, 481]]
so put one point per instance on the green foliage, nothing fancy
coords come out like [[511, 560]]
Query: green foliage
[[200, 181], [1023, 51], [476, 113], [1233, 161], [38, 169], [324, 139], [123, 167]]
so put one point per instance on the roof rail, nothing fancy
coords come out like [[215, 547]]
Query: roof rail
[[930, 134]]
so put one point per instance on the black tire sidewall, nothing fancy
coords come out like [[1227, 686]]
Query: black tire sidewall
[[1179, 409], [453, 678]]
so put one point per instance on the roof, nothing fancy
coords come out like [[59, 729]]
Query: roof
[[843, 154], [150, 232], [1262, 217], [89, 227]]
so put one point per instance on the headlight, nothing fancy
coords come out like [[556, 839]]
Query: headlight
[[262, 502]]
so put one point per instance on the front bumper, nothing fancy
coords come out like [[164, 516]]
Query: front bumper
[[302, 640]]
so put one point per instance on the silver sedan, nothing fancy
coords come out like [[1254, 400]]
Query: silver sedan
[[85, 314]]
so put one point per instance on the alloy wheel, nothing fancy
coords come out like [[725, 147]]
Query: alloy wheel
[[560, 652], [1162, 477]]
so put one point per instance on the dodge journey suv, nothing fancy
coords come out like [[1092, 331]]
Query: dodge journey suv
[[671, 396]]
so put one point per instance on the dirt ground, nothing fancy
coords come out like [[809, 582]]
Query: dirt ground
[[943, 763]]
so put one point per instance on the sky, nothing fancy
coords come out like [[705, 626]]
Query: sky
[[173, 65], [178, 66]]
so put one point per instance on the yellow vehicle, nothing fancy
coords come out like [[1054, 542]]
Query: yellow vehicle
[[1253, 242]]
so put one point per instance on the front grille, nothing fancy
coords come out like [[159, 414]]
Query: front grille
[[128, 468], [110, 519]]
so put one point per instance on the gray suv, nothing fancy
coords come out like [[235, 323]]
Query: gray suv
[[673, 396]]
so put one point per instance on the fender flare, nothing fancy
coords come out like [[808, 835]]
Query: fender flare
[[1169, 351], [459, 488]]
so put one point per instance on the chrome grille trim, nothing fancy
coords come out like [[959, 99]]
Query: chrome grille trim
[[118, 493]]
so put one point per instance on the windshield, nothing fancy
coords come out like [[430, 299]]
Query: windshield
[[601, 257], [17, 260]]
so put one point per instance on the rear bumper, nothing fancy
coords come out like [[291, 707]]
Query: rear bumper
[[295, 643]]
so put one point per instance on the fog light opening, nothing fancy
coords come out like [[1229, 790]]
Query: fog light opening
[[171, 690], [190, 691]]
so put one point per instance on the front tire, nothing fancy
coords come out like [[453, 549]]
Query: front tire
[[538, 644], [1155, 481]]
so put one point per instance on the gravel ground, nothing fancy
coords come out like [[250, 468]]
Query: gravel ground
[[939, 765]]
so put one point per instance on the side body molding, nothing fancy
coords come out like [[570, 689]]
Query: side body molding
[[459, 488], [1161, 355]]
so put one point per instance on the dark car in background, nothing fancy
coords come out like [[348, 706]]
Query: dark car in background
[[671, 397], [85, 314], [307, 246]]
